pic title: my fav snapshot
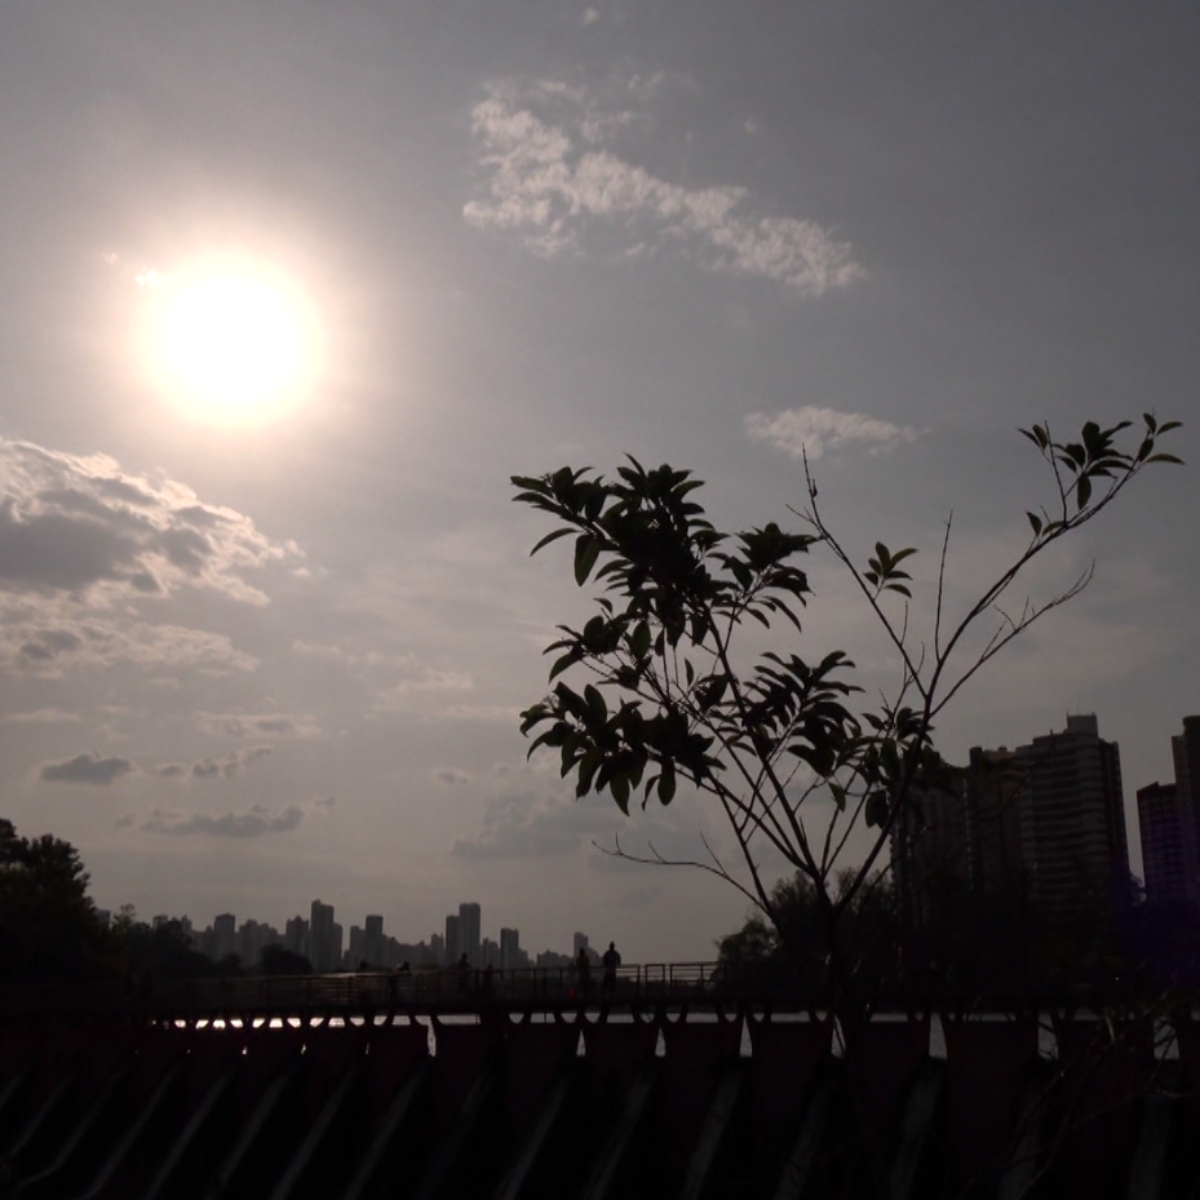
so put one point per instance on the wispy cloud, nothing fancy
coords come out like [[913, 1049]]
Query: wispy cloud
[[270, 725], [253, 822], [450, 776], [86, 768], [40, 716], [815, 431], [555, 181]]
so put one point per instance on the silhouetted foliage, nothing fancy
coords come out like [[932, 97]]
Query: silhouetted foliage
[[164, 951], [49, 929], [279, 960], [673, 699]]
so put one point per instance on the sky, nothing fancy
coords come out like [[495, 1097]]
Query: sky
[[289, 290]]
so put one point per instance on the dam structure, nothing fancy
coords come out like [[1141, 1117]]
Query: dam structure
[[668, 1082]]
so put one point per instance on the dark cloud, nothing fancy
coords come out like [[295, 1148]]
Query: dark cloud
[[533, 824], [86, 768], [256, 821], [57, 551], [187, 549], [71, 524], [230, 764], [48, 644], [127, 493]]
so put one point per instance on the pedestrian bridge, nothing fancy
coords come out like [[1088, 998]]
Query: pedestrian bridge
[[672, 1084], [368, 994]]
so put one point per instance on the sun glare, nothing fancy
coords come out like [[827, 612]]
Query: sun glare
[[233, 344]]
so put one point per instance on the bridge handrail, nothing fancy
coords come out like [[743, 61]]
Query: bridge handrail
[[650, 982]]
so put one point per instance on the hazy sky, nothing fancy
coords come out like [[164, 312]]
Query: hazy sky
[[262, 646]]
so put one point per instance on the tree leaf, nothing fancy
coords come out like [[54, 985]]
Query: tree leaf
[[587, 550]]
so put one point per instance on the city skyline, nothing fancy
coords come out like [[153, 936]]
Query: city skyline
[[330, 946], [292, 291], [1044, 821]]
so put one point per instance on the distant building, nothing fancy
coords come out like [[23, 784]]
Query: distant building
[[1073, 821], [373, 941], [224, 935], [510, 949], [470, 917], [1167, 821], [295, 936], [454, 946], [994, 786], [324, 951], [929, 845]]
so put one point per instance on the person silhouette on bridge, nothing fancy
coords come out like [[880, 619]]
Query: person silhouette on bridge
[[610, 961], [583, 968]]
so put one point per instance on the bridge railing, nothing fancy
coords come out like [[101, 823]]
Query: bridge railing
[[447, 988]]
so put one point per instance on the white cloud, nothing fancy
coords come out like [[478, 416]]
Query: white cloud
[[419, 685], [553, 183], [816, 430], [590, 16]]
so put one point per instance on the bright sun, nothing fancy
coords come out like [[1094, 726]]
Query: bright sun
[[234, 344]]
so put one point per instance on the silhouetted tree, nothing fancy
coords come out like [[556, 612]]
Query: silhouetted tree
[[673, 698], [279, 960], [163, 952], [49, 929]]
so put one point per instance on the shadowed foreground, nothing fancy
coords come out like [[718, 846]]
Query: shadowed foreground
[[648, 1101]]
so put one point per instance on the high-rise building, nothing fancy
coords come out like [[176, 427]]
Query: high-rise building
[[1073, 821], [489, 953], [373, 941], [224, 934], [470, 917], [994, 784], [322, 951], [454, 940], [1170, 858], [928, 843], [295, 936], [1185, 750], [510, 949]]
